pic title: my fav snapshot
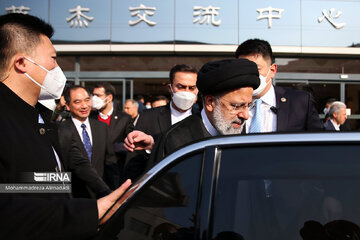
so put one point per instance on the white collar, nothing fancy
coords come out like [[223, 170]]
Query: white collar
[[269, 97], [106, 116], [336, 126], [177, 116], [78, 122], [176, 113], [209, 127]]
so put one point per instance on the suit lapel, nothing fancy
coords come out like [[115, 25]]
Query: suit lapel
[[113, 123], [95, 137], [164, 119], [51, 130], [78, 138], [282, 103]]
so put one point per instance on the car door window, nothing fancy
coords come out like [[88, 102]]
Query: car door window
[[271, 192], [166, 208]]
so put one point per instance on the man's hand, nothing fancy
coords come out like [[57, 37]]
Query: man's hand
[[137, 140], [106, 202]]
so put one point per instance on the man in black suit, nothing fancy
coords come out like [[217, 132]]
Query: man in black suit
[[90, 134], [343, 127], [120, 124], [29, 72], [278, 109], [131, 108], [226, 87], [155, 121], [337, 114]]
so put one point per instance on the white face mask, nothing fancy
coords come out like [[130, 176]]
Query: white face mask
[[326, 110], [53, 84], [98, 103], [263, 84], [183, 99]]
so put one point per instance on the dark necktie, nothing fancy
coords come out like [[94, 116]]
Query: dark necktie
[[86, 140]]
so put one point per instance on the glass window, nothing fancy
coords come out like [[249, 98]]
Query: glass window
[[167, 208], [318, 65], [270, 192], [141, 63], [352, 101], [67, 63]]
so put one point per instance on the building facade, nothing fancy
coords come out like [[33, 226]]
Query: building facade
[[134, 43]]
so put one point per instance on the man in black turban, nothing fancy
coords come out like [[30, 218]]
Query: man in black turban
[[226, 87]]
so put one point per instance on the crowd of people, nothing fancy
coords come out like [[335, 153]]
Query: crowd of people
[[104, 144]]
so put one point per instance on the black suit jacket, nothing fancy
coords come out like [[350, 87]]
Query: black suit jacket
[[120, 126], [183, 133], [154, 121], [296, 111], [102, 153], [24, 147], [329, 126], [50, 130]]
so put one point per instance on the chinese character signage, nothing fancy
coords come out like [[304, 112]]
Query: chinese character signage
[[269, 13], [19, 9], [332, 23], [37, 8], [78, 18], [81, 21], [206, 15], [269, 20], [204, 21], [141, 12], [143, 21]]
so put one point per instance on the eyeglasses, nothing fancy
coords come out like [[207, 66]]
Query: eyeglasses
[[235, 108]]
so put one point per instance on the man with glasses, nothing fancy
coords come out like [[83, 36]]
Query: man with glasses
[[226, 87], [278, 109]]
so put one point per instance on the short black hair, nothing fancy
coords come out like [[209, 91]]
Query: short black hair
[[160, 97], [330, 100], [255, 46], [109, 89], [180, 68], [139, 97], [20, 33], [68, 90]]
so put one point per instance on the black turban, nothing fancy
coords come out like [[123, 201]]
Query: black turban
[[226, 75]]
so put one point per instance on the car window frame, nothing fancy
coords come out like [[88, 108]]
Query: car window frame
[[149, 178], [218, 158]]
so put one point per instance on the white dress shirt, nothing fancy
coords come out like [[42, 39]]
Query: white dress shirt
[[106, 116], [209, 127], [80, 129], [336, 126], [269, 120], [177, 116]]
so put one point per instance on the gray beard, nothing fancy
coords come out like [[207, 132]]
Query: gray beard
[[224, 126]]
